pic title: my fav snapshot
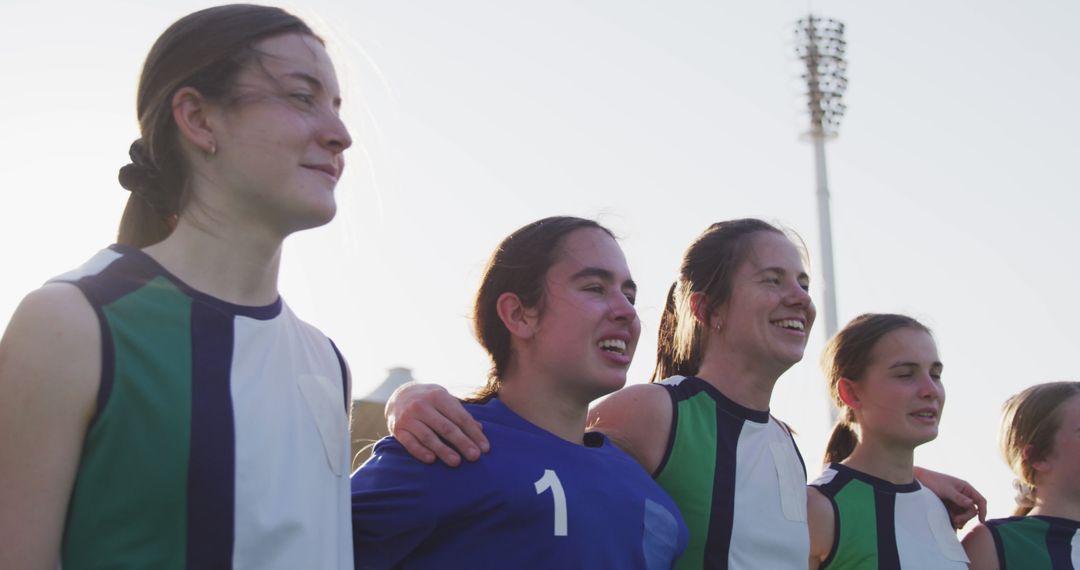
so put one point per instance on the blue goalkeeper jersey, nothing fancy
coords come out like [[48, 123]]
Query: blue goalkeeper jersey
[[534, 501]]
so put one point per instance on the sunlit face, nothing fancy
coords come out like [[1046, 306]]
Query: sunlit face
[[900, 395], [770, 313], [588, 328], [280, 143], [1063, 463]]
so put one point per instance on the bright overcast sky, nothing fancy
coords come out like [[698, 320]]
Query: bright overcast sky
[[955, 179]]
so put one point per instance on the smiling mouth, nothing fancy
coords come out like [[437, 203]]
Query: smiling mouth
[[612, 345], [791, 324], [324, 168]]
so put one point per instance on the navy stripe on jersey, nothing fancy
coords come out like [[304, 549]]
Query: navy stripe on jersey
[[999, 546], [212, 464], [885, 508], [344, 376], [718, 545], [671, 433], [830, 490], [1059, 543]]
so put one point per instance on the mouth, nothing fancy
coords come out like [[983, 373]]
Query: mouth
[[791, 325], [329, 169], [613, 345], [925, 415]]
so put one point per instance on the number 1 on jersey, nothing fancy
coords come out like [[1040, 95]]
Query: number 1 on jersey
[[551, 481]]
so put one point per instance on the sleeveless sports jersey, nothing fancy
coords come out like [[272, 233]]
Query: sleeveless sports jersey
[[534, 501], [1036, 543], [738, 479], [220, 438], [882, 525]]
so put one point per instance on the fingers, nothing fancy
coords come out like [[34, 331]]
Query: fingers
[[458, 427], [430, 423]]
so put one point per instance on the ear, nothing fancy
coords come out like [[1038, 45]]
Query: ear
[[849, 395], [191, 113], [1039, 464], [516, 317], [698, 308]]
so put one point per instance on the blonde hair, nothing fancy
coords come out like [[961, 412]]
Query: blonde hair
[[1029, 422]]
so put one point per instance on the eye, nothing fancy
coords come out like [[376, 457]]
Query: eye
[[307, 99], [805, 286], [595, 288], [631, 297], [772, 280]]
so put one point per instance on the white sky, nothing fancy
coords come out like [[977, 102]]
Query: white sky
[[955, 178]]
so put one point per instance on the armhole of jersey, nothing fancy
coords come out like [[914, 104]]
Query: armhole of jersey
[[795, 446], [836, 532], [344, 374], [999, 546], [671, 432], [108, 361]]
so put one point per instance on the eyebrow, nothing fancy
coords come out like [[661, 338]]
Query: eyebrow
[[603, 274], [313, 82], [782, 271], [937, 365]]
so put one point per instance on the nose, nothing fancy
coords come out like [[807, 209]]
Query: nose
[[335, 135], [929, 388], [621, 309]]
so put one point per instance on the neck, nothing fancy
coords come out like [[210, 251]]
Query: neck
[[893, 463], [1052, 500], [544, 405], [744, 382], [226, 262]]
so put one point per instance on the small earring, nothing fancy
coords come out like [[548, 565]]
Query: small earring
[[718, 326], [213, 149]]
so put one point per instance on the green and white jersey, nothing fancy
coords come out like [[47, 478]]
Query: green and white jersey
[[1036, 543], [884, 526], [220, 438], [738, 480]]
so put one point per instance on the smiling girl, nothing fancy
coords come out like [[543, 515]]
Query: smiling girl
[[555, 313], [161, 407], [867, 510], [1040, 439]]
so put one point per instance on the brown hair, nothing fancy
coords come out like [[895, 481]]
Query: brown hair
[[204, 50], [846, 356], [1030, 421], [517, 266], [708, 267]]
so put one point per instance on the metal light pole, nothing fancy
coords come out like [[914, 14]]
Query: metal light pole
[[819, 43]]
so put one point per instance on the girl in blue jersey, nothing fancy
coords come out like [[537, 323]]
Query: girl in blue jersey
[[737, 318], [867, 510], [160, 406], [1040, 439], [555, 311]]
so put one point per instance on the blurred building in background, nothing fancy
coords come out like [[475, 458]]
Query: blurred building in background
[[368, 423]]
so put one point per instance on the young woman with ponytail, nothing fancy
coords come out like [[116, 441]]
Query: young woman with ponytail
[[1040, 439], [736, 319], [867, 509], [160, 406]]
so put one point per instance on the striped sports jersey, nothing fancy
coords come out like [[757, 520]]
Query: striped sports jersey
[[534, 501], [1036, 543], [220, 438], [886, 526], [738, 479]]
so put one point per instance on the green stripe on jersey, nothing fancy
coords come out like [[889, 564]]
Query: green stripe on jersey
[[1025, 543], [693, 463], [139, 445], [858, 545]]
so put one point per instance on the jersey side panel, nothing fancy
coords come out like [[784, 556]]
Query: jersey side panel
[[688, 475], [139, 444], [858, 542]]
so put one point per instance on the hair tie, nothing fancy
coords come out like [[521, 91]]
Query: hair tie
[[142, 177], [1025, 494]]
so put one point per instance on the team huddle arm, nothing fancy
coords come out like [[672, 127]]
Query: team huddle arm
[[50, 367], [638, 420], [961, 499], [979, 545], [394, 507], [430, 423], [821, 520]]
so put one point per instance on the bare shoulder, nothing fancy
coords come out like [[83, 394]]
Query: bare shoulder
[[638, 419], [50, 367], [53, 340], [822, 520], [979, 545]]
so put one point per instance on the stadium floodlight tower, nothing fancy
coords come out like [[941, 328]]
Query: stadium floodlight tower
[[819, 43]]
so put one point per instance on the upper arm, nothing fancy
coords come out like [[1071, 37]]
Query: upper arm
[[822, 521], [979, 544], [638, 420], [50, 367], [394, 507]]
